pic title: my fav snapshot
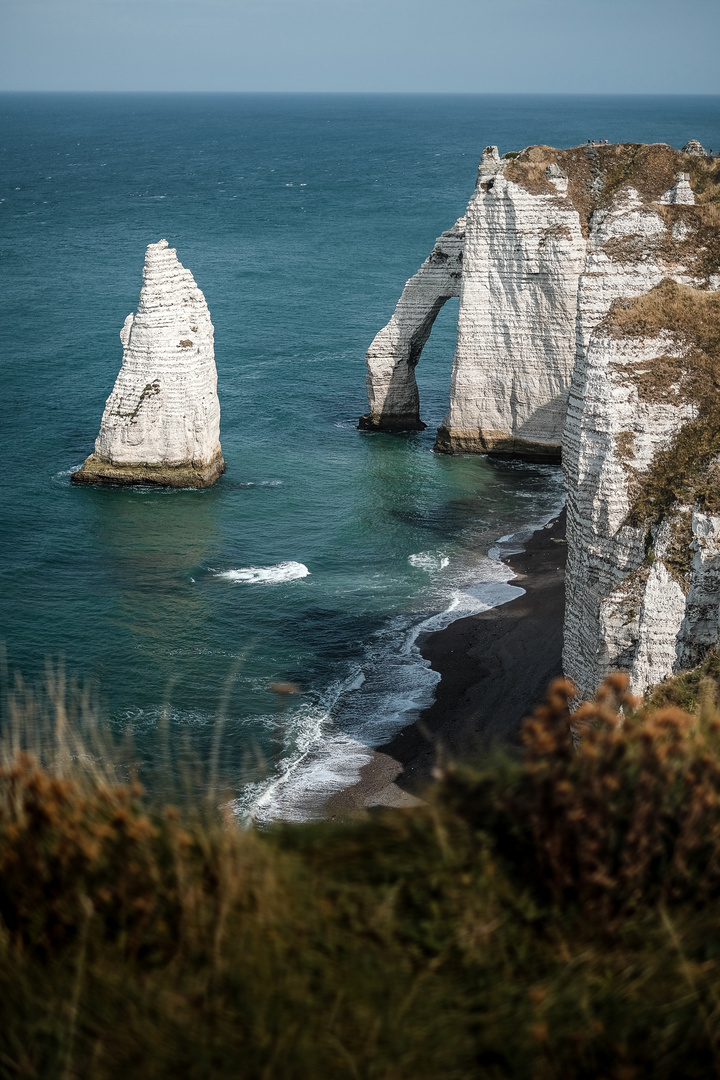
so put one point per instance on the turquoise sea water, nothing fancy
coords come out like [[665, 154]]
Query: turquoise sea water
[[300, 217]]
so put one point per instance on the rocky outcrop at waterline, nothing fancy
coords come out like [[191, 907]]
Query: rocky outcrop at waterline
[[161, 423]]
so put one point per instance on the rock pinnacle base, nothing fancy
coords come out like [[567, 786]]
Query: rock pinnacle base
[[94, 471]]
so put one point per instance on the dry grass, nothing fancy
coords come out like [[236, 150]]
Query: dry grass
[[597, 174], [686, 472], [553, 916]]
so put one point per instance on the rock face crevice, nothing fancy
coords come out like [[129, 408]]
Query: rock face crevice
[[161, 423]]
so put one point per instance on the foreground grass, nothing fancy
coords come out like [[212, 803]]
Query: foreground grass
[[556, 916]]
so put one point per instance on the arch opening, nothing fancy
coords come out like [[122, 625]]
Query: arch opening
[[433, 373]]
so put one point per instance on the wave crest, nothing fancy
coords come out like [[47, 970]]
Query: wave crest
[[266, 575]]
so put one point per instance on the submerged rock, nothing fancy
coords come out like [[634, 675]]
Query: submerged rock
[[161, 423]]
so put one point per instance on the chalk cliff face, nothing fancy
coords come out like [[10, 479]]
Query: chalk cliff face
[[518, 259], [524, 251], [514, 261], [642, 436], [161, 423], [590, 318]]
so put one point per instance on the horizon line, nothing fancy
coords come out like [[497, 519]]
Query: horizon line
[[388, 93]]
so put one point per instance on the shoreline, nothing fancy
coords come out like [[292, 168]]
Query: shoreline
[[494, 669]]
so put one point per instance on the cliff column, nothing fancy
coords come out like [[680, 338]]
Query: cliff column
[[161, 423], [524, 251]]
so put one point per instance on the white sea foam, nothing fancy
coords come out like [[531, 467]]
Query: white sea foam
[[266, 575], [429, 560], [321, 760], [471, 600], [393, 685], [328, 743], [60, 476]]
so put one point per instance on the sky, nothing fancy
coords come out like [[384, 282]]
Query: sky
[[460, 46]]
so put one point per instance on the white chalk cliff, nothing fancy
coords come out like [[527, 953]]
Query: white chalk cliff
[[642, 449], [589, 318], [161, 423], [514, 261]]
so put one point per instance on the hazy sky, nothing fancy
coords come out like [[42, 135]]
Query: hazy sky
[[594, 46]]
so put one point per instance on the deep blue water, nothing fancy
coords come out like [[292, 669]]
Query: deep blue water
[[301, 217]]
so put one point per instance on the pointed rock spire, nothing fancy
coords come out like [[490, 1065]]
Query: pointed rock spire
[[161, 423]]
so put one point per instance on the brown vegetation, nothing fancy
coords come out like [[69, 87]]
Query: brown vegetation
[[550, 916], [686, 472], [597, 173]]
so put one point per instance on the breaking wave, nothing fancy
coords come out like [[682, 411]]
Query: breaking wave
[[266, 575], [429, 560]]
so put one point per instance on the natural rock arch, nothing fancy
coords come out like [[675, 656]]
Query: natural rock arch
[[394, 353], [514, 260]]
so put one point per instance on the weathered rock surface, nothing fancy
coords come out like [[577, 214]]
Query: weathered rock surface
[[694, 148], [642, 471], [161, 423], [531, 245], [524, 251], [590, 317]]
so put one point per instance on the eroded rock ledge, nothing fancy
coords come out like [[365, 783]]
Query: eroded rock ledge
[[161, 423]]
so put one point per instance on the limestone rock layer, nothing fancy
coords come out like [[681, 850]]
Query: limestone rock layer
[[161, 423], [522, 258], [589, 320], [642, 461]]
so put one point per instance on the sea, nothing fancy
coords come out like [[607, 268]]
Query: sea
[[324, 552]]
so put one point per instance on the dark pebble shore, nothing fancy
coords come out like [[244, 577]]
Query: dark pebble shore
[[494, 669]]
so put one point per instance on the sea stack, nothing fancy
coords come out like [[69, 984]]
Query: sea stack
[[161, 423]]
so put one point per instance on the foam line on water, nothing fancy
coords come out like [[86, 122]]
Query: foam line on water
[[385, 694], [472, 600], [429, 560], [323, 761], [395, 688]]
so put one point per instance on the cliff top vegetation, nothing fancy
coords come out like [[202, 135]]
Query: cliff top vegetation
[[596, 174], [555, 915]]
